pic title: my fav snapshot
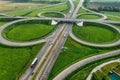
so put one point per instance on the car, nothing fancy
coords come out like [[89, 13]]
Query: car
[[32, 73]]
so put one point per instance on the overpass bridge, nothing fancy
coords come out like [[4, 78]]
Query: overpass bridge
[[63, 19]]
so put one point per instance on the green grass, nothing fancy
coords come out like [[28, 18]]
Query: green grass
[[96, 33], [108, 67], [83, 72], [22, 13], [50, 14], [2, 16], [113, 18], [82, 11], [117, 25], [62, 7], [76, 2], [73, 53], [111, 13], [89, 16], [27, 31], [14, 61], [104, 72], [5, 20], [2, 23]]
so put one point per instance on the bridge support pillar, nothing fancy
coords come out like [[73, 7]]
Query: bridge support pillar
[[54, 22], [79, 23]]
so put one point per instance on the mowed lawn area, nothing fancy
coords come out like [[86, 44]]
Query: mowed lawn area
[[28, 31], [82, 11], [111, 13], [22, 13], [72, 53], [96, 33], [113, 18], [89, 16], [50, 14], [2, 23], [14, 61]]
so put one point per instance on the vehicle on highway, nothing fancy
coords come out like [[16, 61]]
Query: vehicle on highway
[[51, 43], [33, 64], [32, 73], [65, 34], [70, 11]]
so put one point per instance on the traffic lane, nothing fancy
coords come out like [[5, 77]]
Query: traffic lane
[[53, 56]]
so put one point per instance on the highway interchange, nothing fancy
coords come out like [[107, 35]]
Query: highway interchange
[[54, 42]]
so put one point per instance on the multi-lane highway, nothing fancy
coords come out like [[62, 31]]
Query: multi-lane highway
[[42, 55], [53, 52], [49, 54]]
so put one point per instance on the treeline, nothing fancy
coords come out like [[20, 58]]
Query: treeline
[[106, 8], [47, 22], [7, 19], [109, 8], [86, 2]]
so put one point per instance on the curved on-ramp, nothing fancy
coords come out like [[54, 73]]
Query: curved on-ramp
[[102, 17], [95, 44], [18, 44], [81, 63], [40, 14]]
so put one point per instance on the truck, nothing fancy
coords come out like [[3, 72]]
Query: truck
[[33, 64]]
